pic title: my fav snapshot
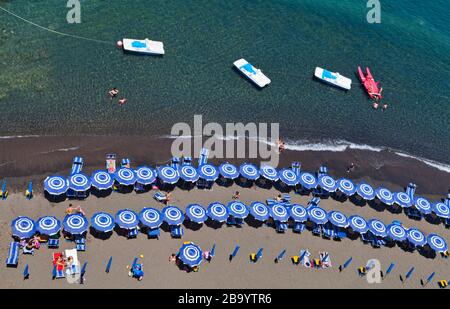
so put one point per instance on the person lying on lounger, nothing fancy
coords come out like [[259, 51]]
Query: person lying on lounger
[[279, 198], [74, 210]]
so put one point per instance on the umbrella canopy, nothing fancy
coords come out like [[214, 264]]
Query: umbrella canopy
[[402, 199], [441, 210], [317, 215], [145, 175], [208, 172], [196, 213], [307, 180], [23, 227], [365, 191], [228, 171], [56, 185], [358, 224], [48, 225], [422, 204], [437, 243], [173, 215], [416, 237], [346, 186], [102, 222], [279, 213], [79, 182], [189, 173], [377, 227], [150, 217], [190, 254], [237, 209], [327, 183], [249, 171], [168, 174], [396, 232], [269, 172], [125, 176], [338, 219], [259, 211], [127, 219], [75, 224], [288, 176], [384, 195], [298, 213], [217, 211], [101, 180]]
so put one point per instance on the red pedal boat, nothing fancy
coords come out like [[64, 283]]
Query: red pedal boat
[[370, 84]]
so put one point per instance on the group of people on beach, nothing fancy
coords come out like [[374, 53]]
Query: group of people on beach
[[113, 94], [61, 262]]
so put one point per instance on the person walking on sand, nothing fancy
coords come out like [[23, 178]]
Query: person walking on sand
[[113, 92], [351, 168]]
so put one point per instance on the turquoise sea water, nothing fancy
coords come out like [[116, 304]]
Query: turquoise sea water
[[51, 84]]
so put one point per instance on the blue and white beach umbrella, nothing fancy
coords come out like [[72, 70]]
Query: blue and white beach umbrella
[[422, 204], [402, 199], [249, 171], [56, 185], [365, 191], [79, 182], [125, 176], [259, 211], [268, 172], [127, 219], [228, 170], [396, 232], [145, 175], [173, 215], [75, 224], [317, 215], [377, 227], [196, 213], [279, 213], [48, 225], [441, 210], [307, 180], [150, 217], [189, 173], [237, 209], [327, 183], [346, 186], [168, 174], [416, 237], [288, 176], [102, 222], [358, 224], [384, 195], [437, 243], [208, 172], [190, 254], [218, 212], [298, 213], [102, 180], [23, 227], [338, 219]]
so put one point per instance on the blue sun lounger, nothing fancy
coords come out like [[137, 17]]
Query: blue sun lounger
[[176, 231], [80, 243], [153, 233], [132, 233], [314, 202], [29, 191], [327, 231], [299, 227], [13, 255], [280, 227], [160, 197], [25, 250], [57, 274], [125, 163], [53, 243], [339, 233], [77, 165], [203, 158], [3, 191], [108, 265], [271, 202], [296, 167], [187, 161], [26, 272], [413, 213], [175, 163], [410, 190], [316, 230], [234, 221]]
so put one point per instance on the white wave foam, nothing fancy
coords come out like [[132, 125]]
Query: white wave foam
[[17, 136], [440, 166], [60, 150]]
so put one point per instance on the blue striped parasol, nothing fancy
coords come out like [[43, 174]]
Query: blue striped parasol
[[288, 176], [307, 180], [365, 191], [268, 172], [298, 213], [79, 182], [56, 185], [338, 219], [168, 174], [396, 232], [173, 215], [237, 209], [217, 211], [358, 224], [75, 224], [346, 186], [23, 227], [102, 222], [190, 254], [441, 210], [208, 172], [422, 204], [377, 227], [150, 217], [317, 215], [327, 183], [279, 213], [125, 176], [127, 219], [229, 171], [48, 225], [102, 180], [384, 195], [416, 237], [437, 243], [196, 213], [402, 199], [189, 173], [259, 211], [249, 171], [145, 175]]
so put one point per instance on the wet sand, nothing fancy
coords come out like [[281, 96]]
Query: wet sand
[[220, 273]]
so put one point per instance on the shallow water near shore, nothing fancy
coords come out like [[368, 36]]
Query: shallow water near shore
[[55, 85]]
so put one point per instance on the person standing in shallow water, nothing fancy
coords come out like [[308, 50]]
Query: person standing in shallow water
[[351, 168]]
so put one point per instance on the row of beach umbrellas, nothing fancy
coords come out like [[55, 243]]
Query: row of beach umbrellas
[[24, 227]]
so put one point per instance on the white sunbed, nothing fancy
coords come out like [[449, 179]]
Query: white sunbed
[[75, 269]]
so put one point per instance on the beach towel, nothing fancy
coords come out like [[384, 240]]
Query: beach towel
[[304, 254], [75, 267], [325, 259]]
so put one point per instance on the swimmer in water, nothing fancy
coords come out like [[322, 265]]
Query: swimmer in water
[[385, 106], [280, 146], [375, 105], [122, 101], [113, 93]]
